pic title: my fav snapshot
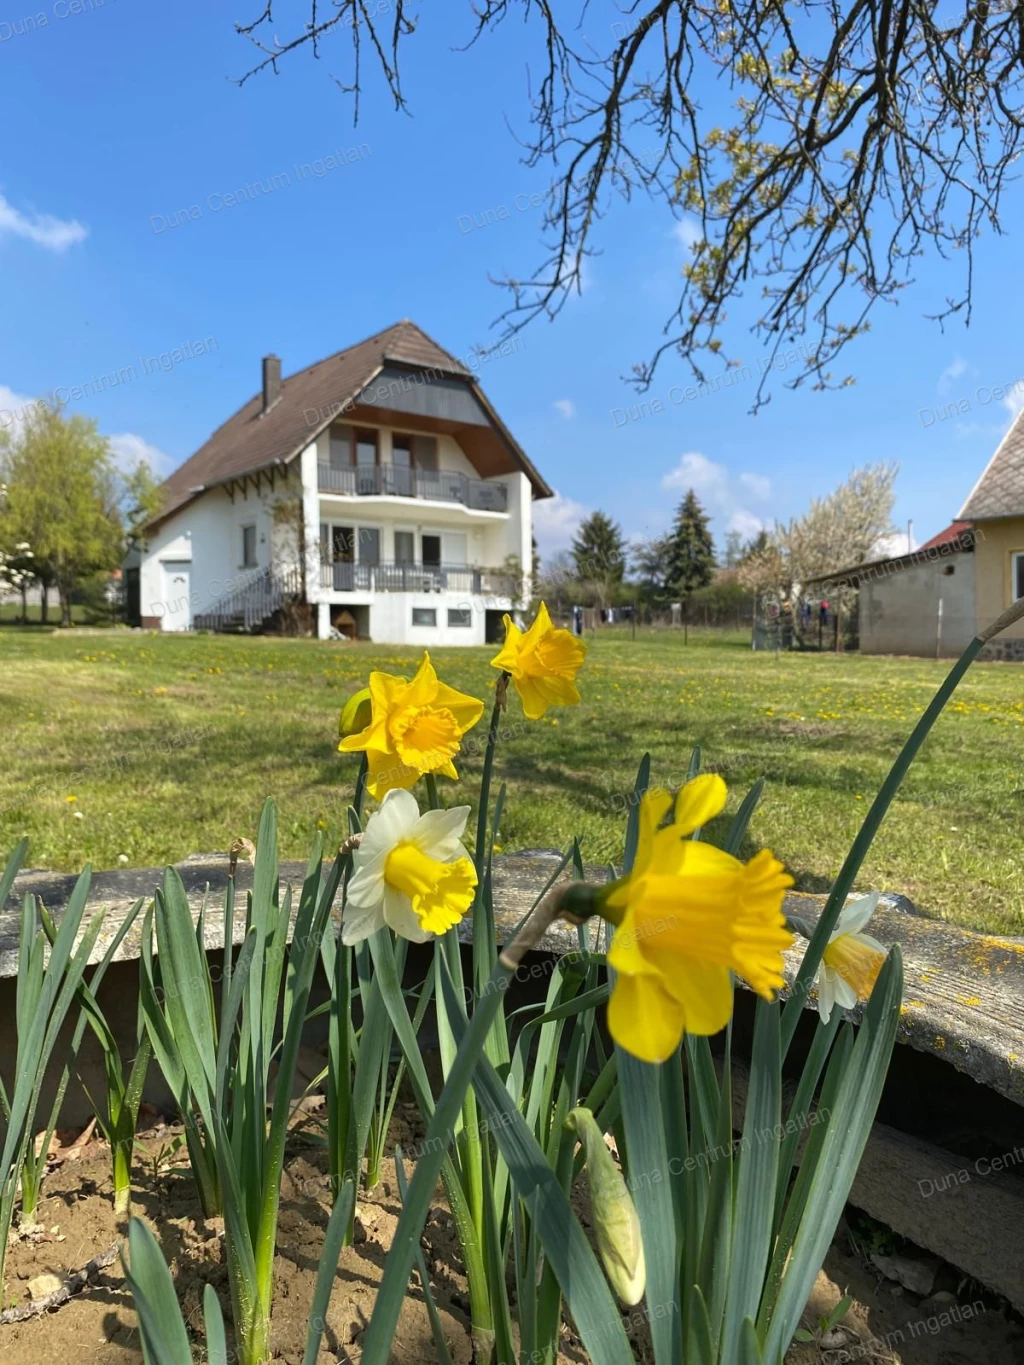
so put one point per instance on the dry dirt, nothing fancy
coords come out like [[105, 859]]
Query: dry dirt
[[98, 1327]]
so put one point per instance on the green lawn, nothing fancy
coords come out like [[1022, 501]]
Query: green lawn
[[121, 746]]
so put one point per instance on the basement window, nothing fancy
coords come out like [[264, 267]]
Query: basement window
[[424, 616], [460, 616]]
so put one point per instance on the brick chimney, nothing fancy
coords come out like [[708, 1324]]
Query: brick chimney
[[271, 381]]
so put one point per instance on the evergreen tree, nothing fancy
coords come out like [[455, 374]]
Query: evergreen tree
[[691, 550], [599, 556]]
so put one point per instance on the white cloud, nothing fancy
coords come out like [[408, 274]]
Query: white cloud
[[566, 407], [12, 409], [555, 521], [688, 231], [55, 234], [129, 449], [1014, 402], [956, 369], [723, 494], [891, 547]]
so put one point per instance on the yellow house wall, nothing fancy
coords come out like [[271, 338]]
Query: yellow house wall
[[995, 544]]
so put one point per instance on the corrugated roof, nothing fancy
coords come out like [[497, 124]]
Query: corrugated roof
[[252, 439], [1000, 490]]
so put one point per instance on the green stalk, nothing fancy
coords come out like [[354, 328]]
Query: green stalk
[[872, 821]]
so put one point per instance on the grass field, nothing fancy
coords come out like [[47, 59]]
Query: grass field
[[125, 747]]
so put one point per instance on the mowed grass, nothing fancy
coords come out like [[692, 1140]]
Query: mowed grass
[[119, 747]]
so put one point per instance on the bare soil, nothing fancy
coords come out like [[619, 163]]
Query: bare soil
[[885, 1326]]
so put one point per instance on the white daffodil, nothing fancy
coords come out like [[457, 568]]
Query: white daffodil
[[851, 962], [410, 872]]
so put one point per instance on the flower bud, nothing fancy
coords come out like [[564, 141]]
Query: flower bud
[[356, 714], [616, 1224]]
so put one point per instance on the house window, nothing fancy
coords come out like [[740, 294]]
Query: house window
[[1017, 575], [341, 447], [424, 616], [369, 545], [424, 450], [405, 547], [431, 546], [460, 616], [366, 462], [248, 547], [401, 465]]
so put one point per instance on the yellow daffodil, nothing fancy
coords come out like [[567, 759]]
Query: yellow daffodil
[[851, 962], [688, 915], [414, 728], [410, 872], [543, 663]]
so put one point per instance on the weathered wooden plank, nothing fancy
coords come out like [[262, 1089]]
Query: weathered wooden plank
[[963, 1002], [969, 1212]]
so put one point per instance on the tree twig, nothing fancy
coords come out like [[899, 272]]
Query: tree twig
[[73, 1284]]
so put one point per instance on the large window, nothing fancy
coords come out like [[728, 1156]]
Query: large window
[[405, 547], [1017, 575], [341, 447], [401, 465], [460, 616], [424, 616], [431, 552], [248, 547], [369, 545], [366, 461]]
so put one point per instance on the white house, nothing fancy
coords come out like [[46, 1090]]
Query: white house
[[379, 485]]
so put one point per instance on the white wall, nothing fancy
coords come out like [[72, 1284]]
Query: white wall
[[207, 536], [391, 617]]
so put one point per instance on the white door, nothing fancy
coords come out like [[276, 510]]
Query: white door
[[177, 602]]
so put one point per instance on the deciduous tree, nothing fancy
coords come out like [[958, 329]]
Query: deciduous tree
[[64, 498]]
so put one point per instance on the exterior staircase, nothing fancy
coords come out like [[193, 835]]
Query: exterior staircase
[[252, 604]]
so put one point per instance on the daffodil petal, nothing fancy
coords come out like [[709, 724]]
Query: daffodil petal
[[396, 819], [358, 926], [855, 915], [705, 992], [437, 832], [700, 800], [401, 917], [644, 1018]]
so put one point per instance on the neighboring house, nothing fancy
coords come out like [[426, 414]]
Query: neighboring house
[[378, 484], [921, 603], [935, 600]]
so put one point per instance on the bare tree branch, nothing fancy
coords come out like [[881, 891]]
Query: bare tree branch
[[864, 134]]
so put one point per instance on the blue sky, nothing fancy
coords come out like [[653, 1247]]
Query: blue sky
[[121, 115]]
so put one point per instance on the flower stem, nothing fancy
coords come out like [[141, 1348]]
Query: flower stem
[[433, 800], [479, 851]]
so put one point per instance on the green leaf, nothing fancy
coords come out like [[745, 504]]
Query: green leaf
[[443, 1353], [566, 1247], [755, 1185], [401, 1258], [337, 1226], [650, 1184], [845, 1140], [164, 1339], [216, 1345]]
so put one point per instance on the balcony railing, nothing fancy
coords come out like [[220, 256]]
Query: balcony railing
[[364, 481], [346, 577]]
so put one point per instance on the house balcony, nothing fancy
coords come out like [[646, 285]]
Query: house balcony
[[388, 480], [342, 576]]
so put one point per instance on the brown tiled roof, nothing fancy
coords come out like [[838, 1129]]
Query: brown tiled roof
[[1000, 490], [953, 532], [252, 439]]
